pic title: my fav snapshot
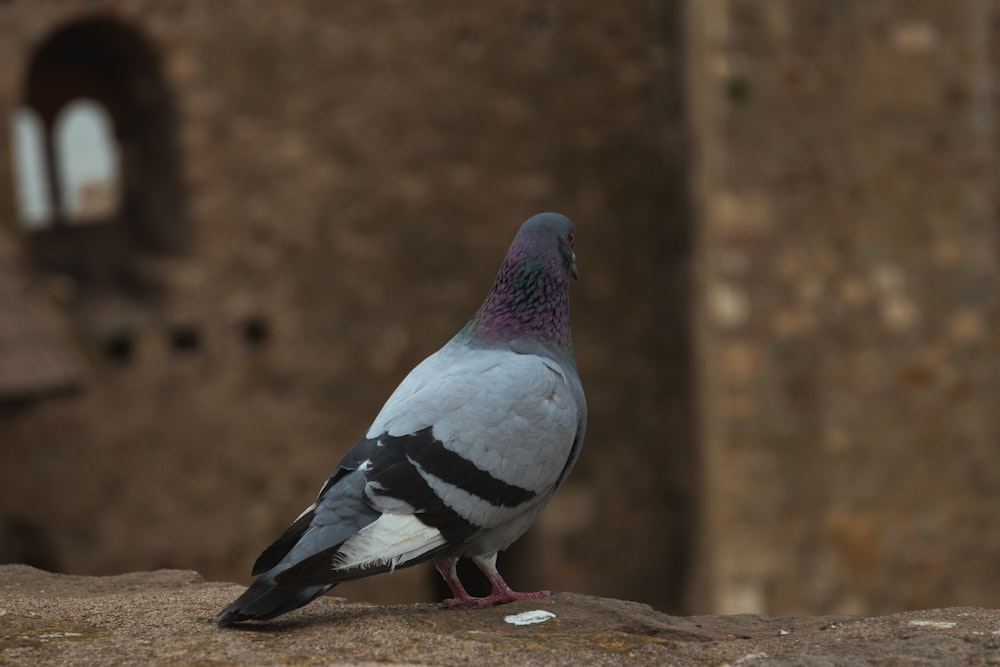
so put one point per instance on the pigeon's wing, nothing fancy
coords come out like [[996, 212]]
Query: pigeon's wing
[[342, 536], [492, 430], [470, 440]]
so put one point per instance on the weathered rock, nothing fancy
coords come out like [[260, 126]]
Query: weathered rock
[[168, 617]]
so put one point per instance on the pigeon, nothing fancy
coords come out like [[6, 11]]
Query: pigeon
[[462, 458]]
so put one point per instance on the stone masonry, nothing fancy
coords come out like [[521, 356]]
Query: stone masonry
[[786, 319]]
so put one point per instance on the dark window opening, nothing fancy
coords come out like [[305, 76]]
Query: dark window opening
[[255, 330], [185, 339], [119, 348]]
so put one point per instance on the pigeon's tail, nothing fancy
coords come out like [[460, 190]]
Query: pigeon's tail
[[265, 600]]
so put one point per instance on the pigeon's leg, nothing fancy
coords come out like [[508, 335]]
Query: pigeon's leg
[[501, 591], [446, 568]]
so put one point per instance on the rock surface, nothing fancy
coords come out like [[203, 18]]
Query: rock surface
[[168, 617]]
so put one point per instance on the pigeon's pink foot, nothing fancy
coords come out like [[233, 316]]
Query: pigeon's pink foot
[[494, 598], [506, 595], [502, 593], [446, 568]]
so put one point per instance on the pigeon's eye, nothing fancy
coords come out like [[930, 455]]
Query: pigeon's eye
[[571, 237]]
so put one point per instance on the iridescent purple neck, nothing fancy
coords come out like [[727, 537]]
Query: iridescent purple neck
[[529, 299]]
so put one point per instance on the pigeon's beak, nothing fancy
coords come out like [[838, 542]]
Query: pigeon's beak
[[572, 267]]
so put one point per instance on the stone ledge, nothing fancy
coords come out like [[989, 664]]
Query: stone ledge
[[168, 617]]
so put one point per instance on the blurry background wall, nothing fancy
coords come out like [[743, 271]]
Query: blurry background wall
[[786, 320], [849, 306]]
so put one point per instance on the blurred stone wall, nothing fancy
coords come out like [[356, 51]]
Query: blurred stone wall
[[353, 173], [848, 312], [786, 319]]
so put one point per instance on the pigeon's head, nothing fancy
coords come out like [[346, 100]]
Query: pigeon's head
[[547, 231], [530, 297]]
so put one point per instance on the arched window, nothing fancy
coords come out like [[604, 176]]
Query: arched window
[[95, 158], [86, 156], [34, 199], [107, 149]]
